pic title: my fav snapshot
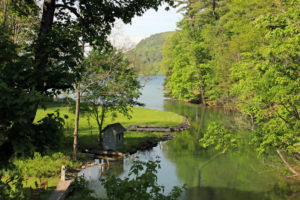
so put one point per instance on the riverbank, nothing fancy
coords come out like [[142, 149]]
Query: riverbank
[[88, 128], [88, 139]]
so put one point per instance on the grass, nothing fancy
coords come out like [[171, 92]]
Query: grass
[[46, 167], [30, 182], [88, 129]]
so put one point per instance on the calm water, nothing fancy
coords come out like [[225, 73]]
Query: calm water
[[236, 175]]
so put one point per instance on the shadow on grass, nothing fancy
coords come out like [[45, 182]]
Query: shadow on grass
[[45, 194], [53, 105]]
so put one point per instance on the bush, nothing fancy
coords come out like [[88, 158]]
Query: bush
[[11, 186], [80, 190], [49, 133], [142, 186], [43, 166], [25, 139]]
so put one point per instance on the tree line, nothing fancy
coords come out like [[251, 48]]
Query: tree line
[[243, 55], [146, 56]]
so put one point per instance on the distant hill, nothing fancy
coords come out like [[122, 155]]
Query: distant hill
[[146, 56]]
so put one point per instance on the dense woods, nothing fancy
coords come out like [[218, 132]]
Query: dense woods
[[147, 55], [243, 55]]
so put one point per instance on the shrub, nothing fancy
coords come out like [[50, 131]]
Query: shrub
[[11, 187], [143, 185], [80, 190], [43, 166]]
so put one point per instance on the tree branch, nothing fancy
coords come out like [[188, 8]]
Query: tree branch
[[284, 119], [286, 163], [71, 9], [295, 111]]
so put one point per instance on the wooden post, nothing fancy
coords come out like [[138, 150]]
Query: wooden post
[[63, 173], [107, 163], [90, 175]]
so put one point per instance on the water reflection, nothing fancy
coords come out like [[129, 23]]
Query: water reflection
[[213, 176], [236, 175]]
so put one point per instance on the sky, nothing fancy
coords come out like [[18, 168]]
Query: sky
[[141, 27]]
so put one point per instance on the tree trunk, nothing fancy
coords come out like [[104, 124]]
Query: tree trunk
[[47, 17], [96, 114], [40, 57], [202, 95], [101, 125], [41, 54], [75, 133], [214, 8], [77, 109], [5, 5], [287, 164]]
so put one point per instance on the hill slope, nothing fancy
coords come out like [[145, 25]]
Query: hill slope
[[146, 56]]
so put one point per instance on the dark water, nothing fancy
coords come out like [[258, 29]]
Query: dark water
[[209, 175]]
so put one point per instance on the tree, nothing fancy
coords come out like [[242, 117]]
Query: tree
[[48, 61], [249, 61], [111, 84], [275, 88], [188, 56], [90, 20]]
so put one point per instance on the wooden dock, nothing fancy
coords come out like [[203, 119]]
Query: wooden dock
[[61, 191], [165, 129]]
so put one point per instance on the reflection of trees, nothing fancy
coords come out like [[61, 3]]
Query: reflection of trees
[[209, 175], [115, 167], [200, 116], [226, 176]]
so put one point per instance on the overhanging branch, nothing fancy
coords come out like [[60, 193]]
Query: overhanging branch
[[71, 9], [286, 163]]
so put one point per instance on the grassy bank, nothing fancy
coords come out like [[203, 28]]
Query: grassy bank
[[48, 166], [88, 129]]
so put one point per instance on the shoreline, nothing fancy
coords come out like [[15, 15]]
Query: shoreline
[[147, 144]]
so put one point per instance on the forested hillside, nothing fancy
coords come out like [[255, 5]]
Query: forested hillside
[[242, 54], [147, 55]]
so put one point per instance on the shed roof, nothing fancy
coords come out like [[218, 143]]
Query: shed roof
[[115, 128]]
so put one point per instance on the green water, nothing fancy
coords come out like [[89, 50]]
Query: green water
[[209, 175], [236, 175]]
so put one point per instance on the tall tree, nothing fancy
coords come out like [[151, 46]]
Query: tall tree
[[111, 86], [251, 53], [48, 62]]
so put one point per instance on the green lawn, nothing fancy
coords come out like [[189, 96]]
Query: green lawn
[[30, 182], [88, 128], [88, 138]]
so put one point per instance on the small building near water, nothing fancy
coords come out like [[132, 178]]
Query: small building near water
[[113, 136]]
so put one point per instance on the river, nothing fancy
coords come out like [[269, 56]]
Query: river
[[236, 175]]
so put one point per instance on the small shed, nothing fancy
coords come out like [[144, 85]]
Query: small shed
[[113, 136]]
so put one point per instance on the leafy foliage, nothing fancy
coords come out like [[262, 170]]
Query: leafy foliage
[[221, 138], [43, 166], [41, 53], [110, 84], [80, 190], [243, 55], [143, 185], [11, 186]]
